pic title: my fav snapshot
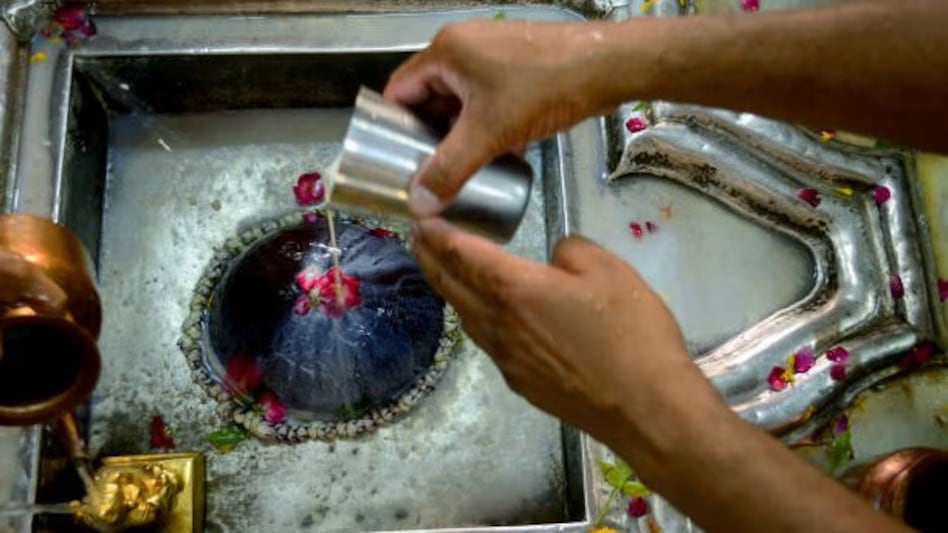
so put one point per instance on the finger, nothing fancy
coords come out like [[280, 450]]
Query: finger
[[467, 302], [482, 266], [411, 83], [466, 148], [578, 255]]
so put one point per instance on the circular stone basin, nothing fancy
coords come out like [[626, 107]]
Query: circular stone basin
[[273, 327]]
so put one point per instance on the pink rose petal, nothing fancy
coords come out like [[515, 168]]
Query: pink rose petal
[[838, 372], [838, 354], [636, 230], [776, 380], [243, 375], [306, 280], [301, 305], [70, 17], [384, 233], [750, 5], [810, 196], [922, 352], [942, 289], [842, 425], [274, 411], [651, 227], [309, 189], [803, 360], [895, 286], [638, 507], [328, 302], [635, 125], [159, 435], [881, 194], [310, 218]]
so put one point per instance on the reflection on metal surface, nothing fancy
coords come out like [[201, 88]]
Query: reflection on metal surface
[[756, 167]]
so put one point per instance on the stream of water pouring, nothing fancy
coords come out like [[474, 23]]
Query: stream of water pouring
[[334, 249]]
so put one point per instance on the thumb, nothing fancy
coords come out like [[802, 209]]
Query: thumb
[[465, 150]]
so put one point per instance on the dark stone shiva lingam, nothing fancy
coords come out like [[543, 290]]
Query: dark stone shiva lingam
[[288, 357]]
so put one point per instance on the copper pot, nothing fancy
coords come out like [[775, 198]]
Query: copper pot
[[910, 484], [49, 361]]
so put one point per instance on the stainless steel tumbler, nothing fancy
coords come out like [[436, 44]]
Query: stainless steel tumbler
[[383, 150]]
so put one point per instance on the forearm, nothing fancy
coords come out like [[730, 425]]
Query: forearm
[[877, 67], [729, 476]]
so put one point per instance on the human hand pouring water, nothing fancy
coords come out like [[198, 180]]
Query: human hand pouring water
[[584, 337]]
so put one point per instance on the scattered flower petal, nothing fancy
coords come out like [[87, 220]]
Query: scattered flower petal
[[842, 425], [243, 375], [603, 530], [667, 211], [384, 233], [38, 57], [310, 218], [776, 379], [274, 412], [329, 303], [896, 287], [844, 190], [750, 6], [922, 352], [810, 196], [803, 360], [638, 507], [651, 227], [942, 289], [881, 194], [788, 376], [301, 305], [838, 354], [70, 17], [647, 4], [309, 189], [825, 135], [636, 230], [838, 372], [160, 437], [635, 125]]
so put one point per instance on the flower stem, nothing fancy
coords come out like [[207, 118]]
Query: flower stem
[[609, 502]]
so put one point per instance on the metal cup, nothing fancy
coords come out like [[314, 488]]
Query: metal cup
[[49, 363], [383, 150]]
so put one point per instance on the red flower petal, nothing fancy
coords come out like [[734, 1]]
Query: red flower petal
[[810, 196], [838, 354], [842, 425], [310, 218], [922, 352], [803, 360], [638, 507], [328, 302], [70, 17], [635, 125], [306, 280], [274, 411], [243, 374], [301, 305], [309, 189], [838, 372], [651, 227], [776, 380], [942, 289], [160, 435], [750, 5], [384, 233], [881, 194], [896, 287], [636, 230]]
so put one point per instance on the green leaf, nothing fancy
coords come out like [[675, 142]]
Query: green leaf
[[500, 15], [640, 106], [616, 474], [226, 439], [635, 489], [840, 450]]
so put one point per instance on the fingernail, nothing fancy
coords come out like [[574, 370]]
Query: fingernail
[[423, 202]]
